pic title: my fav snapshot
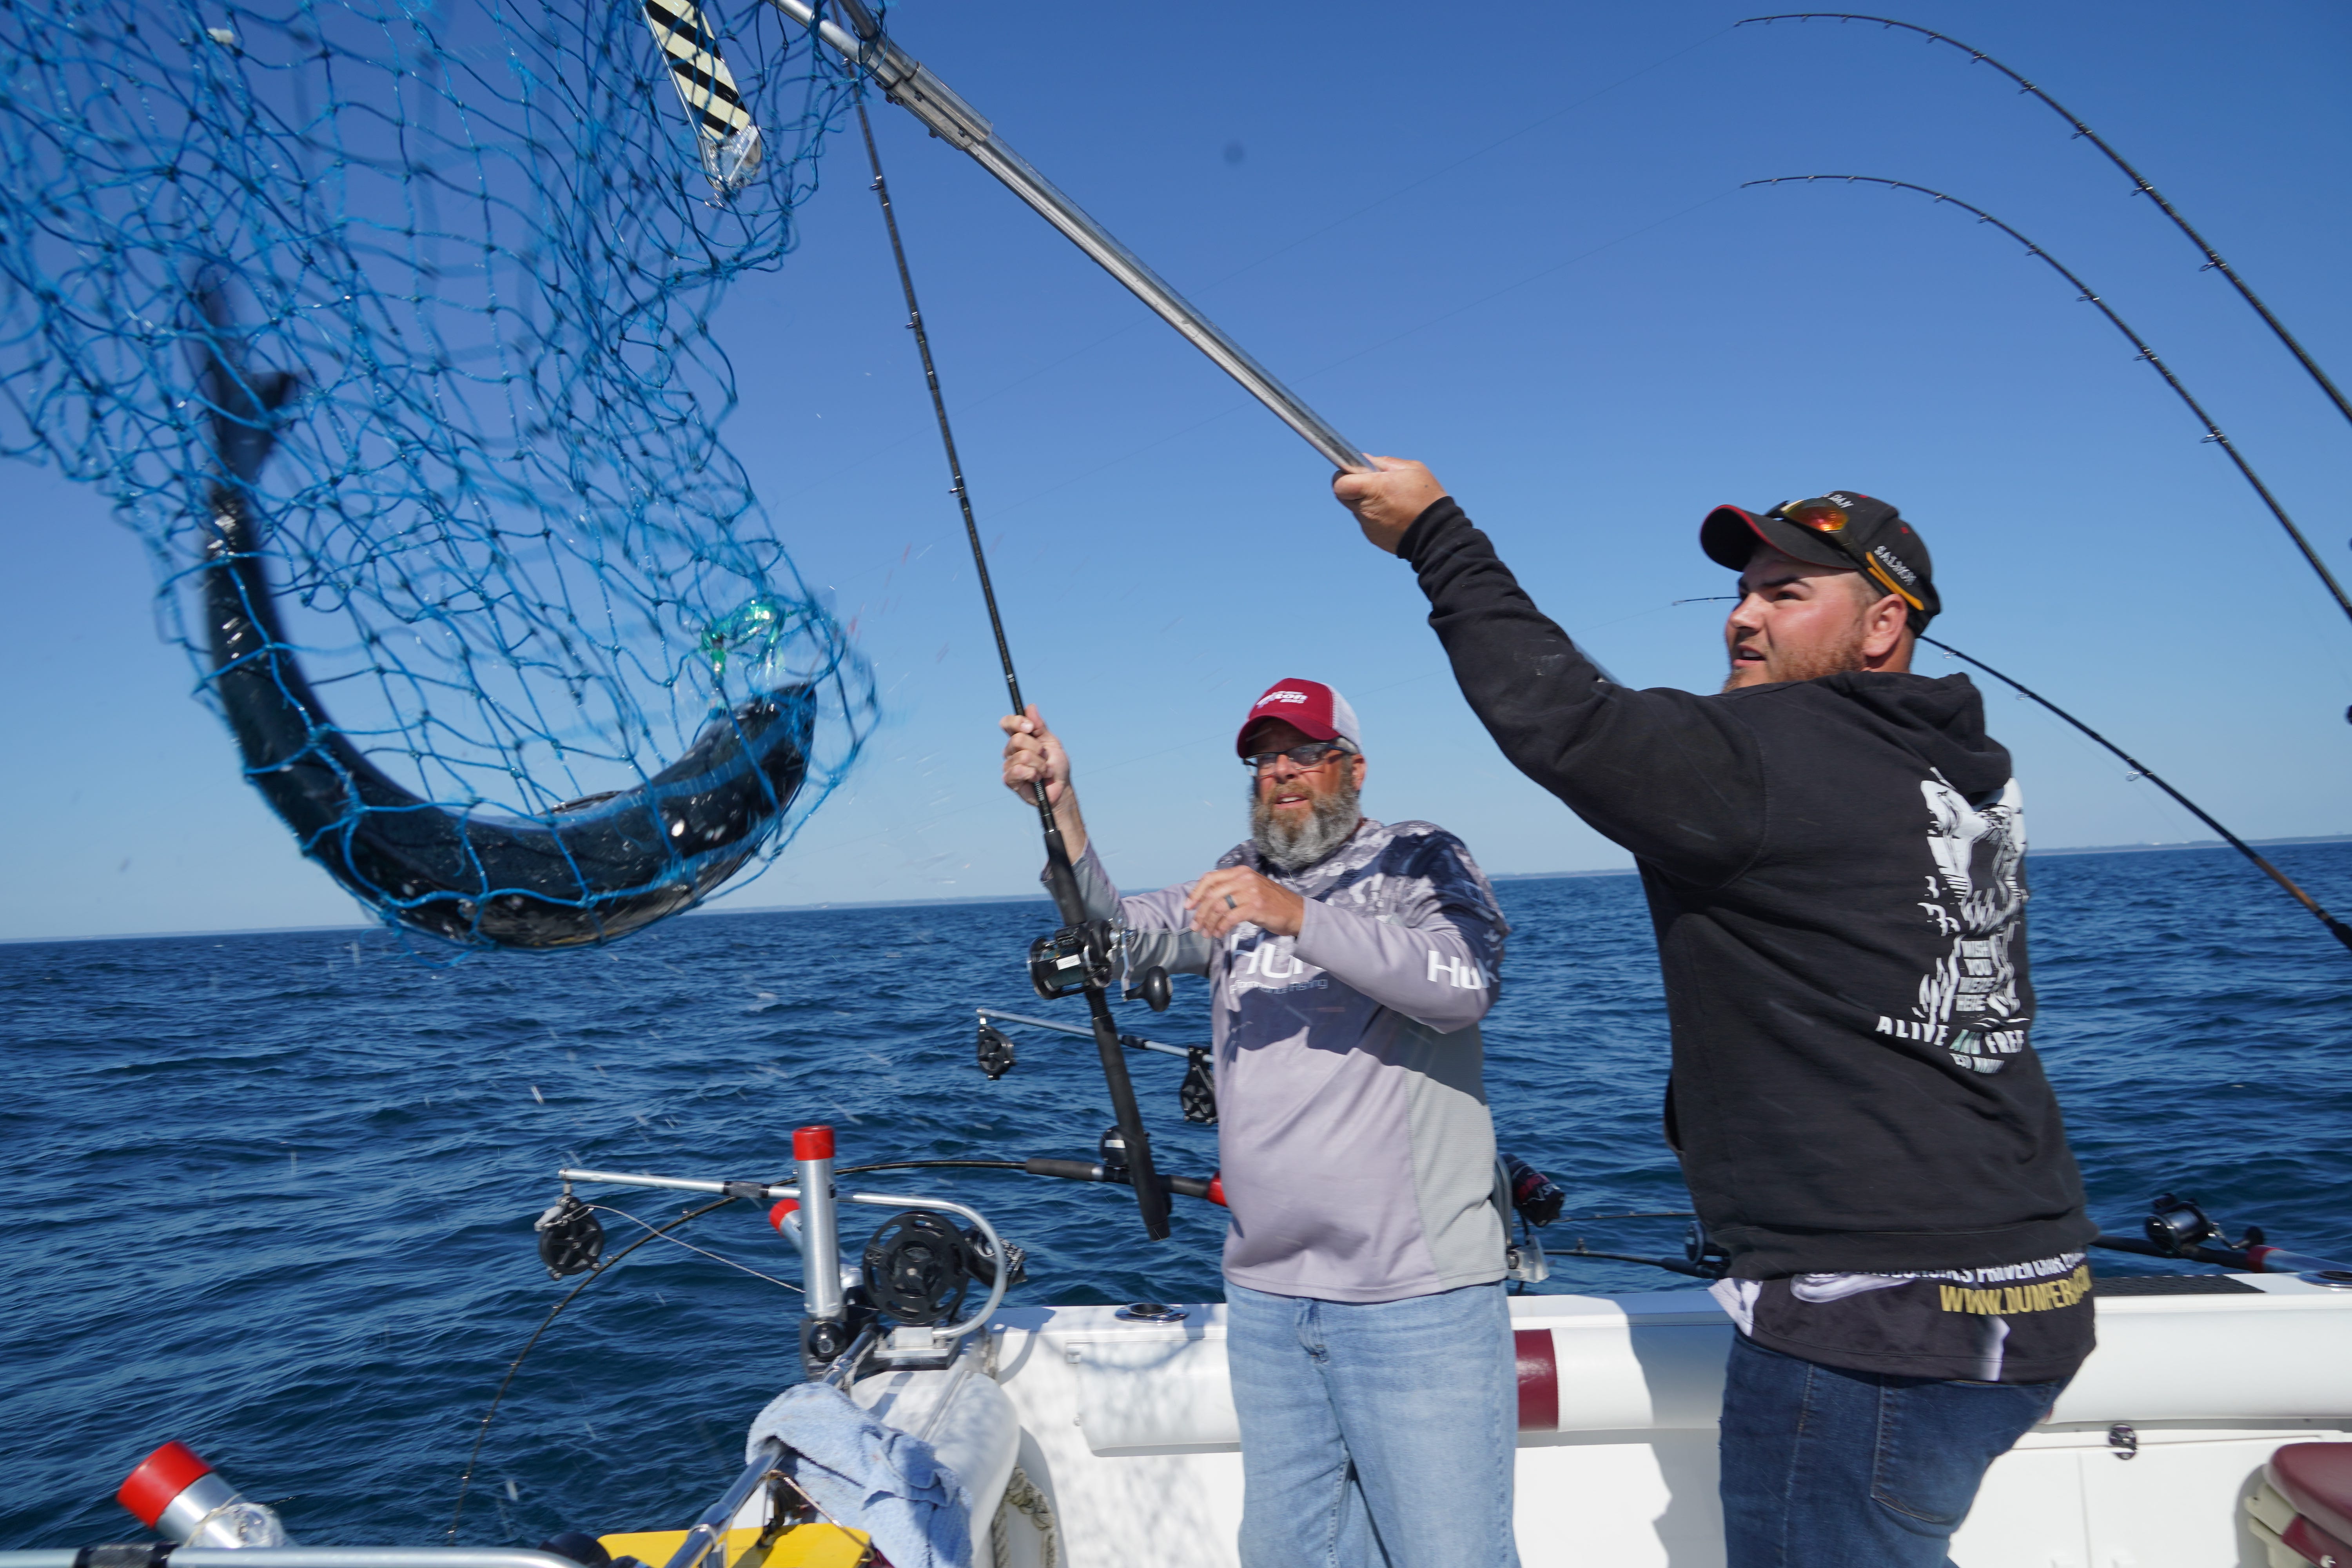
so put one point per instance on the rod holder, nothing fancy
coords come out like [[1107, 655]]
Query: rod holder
[[820, 1226]]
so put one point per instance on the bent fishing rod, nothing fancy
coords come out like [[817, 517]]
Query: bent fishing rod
[[2214, 432], [1090, 943], [907, 83], [2140, 186], [2336, 928]]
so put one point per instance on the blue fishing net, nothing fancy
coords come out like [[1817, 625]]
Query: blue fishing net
[[407, 308]]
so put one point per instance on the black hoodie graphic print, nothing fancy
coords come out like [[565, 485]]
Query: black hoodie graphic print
[[1834, 871]]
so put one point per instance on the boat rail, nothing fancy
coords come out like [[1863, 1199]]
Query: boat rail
[[710, 1530], [778, 1191]]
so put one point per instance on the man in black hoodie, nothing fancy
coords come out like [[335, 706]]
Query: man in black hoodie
[[1832, 849]]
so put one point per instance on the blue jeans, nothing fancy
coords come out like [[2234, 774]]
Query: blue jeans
[[1825, 1468], [1375, 1433]]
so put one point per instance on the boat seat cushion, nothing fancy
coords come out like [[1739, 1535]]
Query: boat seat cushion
[[2317, 1478]]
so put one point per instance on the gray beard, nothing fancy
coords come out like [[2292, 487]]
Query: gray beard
[[1296, 848]]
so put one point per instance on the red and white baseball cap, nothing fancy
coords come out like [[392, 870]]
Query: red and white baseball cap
[[1309, 706]]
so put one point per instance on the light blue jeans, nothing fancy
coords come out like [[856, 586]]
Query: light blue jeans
[[1375, 1435]]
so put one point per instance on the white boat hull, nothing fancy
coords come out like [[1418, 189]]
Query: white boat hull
[[1128, 1432]]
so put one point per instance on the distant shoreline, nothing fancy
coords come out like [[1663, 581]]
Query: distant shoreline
[[1040, 897]]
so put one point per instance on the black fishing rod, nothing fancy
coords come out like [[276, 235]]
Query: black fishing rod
[[2214, 432], [1084, 940], [2140, 185], [2141, 770]]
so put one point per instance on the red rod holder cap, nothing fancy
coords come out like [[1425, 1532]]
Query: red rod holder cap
[[784, 1206], [161, 1477], [812, 1143]]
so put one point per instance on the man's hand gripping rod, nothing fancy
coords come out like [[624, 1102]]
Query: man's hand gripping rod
[[909, 85]]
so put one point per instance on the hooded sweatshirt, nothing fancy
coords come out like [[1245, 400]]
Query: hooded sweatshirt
[[1836, 873]]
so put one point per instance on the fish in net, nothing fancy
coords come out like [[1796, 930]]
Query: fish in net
[[389, 328]]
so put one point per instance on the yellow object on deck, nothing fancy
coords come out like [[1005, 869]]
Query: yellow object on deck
[[799, 1546]]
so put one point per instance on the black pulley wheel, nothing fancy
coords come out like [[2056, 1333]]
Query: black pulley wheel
[[1198, 1093], [995, 1051], [570, 1238], [917, 1267]]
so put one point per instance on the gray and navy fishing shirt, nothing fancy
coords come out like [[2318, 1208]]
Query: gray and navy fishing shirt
[[1357, 1153]]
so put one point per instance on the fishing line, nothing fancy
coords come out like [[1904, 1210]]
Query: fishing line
[[1061, 876], [624, 1213], [2139, 770], [466, 1481], [2336, 928], [2213, 433], [652, 1233], [2213, 262]]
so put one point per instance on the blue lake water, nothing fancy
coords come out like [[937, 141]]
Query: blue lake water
[[272, 1195]]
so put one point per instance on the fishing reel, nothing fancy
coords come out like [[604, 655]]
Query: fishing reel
[[983, 1260], [1705, 1252], [1088, 957], [2177, 1228], [1076, 958], [2176, 1225]]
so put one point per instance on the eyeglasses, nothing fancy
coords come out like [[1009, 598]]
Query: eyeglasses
[[1821, 516], [1308, 756], [1829, 520]]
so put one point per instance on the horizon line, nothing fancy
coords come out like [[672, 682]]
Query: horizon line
[[1039, 897]]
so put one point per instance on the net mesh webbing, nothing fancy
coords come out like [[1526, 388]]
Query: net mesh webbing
[[486, 241]]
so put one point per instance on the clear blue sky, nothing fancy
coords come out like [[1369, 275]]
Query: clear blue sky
[[1507, 242]]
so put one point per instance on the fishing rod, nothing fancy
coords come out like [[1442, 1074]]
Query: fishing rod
[[1091, 945], [2140, 186], [906, 82], [2336, 928], [2214, 432]]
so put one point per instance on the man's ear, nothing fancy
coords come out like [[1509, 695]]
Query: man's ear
[[1883, 626]]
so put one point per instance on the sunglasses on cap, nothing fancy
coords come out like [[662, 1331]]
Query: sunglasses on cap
[[1312, 754], [1827, 520]]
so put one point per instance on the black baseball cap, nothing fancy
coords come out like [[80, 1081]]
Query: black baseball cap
[[1842, 527]]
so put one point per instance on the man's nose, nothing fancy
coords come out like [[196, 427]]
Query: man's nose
[[1746, 614]]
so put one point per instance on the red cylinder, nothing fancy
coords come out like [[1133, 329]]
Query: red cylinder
[[812, 1143], [161, 1477], [784, 1207]]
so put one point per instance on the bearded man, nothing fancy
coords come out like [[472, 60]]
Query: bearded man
[[1351, 960], [1834, 852]]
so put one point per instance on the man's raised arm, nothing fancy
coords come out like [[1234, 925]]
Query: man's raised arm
[[1159, 931], [1673, 777]]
